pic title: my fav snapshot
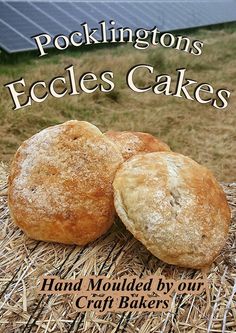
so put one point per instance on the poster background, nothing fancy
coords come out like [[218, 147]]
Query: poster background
[[200, 131]]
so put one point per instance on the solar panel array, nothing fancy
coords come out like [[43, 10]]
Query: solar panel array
[[20, 20]]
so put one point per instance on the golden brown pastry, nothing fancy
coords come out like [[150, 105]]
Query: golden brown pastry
[[131, 143], [60, 184], [174, 206]]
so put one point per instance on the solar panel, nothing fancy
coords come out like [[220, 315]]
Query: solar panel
[[17, 21], [22, 19], [44, 22], [128, 10], [142, 10], [110, 13], [90, 12], [81, 13], [58, 15], [8, 39]]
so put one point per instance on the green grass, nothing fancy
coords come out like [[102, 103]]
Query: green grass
[[200, 131]]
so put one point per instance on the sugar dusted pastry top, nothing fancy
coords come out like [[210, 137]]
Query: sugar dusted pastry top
[[132, 143], [60, 183], [174, 206]]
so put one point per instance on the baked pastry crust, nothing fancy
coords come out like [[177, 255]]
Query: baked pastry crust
[[60, 184], [132, 143], [174, 206]]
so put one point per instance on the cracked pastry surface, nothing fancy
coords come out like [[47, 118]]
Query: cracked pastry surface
[[132, 143], [174, 206], [60, 184]]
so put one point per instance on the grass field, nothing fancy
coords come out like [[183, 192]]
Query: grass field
[[200, 131]]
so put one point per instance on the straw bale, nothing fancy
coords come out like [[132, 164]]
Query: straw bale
[[116, 254]]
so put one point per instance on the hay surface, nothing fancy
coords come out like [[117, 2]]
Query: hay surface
[[23, 260]]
